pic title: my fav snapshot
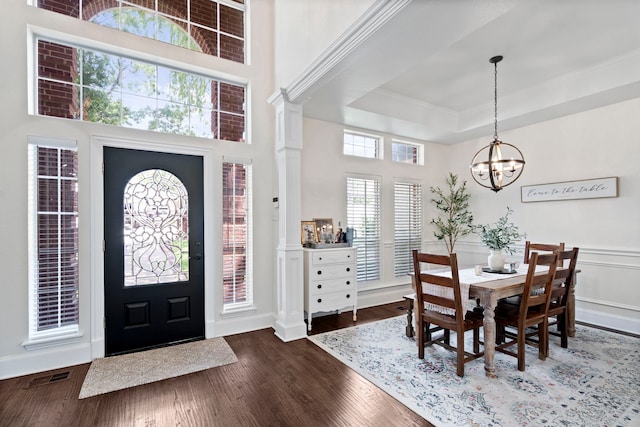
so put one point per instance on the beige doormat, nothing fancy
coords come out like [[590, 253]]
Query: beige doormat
[[129, 370]]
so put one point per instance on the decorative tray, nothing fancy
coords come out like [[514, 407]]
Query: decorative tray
[[326, 245], [503, 271]]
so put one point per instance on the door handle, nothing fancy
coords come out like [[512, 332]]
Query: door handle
[[197, 257]]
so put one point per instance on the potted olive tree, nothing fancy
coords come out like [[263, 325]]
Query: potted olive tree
[[455, 220]]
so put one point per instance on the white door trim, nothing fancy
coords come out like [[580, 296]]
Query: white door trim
[[97, 228]]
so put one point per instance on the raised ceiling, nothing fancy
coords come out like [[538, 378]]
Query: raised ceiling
[[420, 69]]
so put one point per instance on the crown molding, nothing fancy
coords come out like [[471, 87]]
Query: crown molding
[[374, 18]]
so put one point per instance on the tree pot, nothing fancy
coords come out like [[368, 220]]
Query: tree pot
[[496, 260]]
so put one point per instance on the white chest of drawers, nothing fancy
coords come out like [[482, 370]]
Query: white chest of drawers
[[330, 281]]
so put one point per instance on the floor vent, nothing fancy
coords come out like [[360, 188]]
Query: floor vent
[[48, 379]]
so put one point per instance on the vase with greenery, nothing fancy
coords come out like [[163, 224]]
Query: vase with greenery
[[456, 220], [499, 237]]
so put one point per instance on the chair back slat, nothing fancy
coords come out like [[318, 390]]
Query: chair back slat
[[439, 300], [540, 247], [436, 280]]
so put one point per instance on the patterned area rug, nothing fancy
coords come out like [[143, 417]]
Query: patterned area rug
[[594, 382], [129, 370]]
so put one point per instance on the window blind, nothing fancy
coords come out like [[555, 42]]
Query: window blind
[[238, 290], [407, 225], [53, 230], [363, 215]]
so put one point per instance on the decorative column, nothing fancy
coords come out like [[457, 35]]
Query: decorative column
[[289, 323]]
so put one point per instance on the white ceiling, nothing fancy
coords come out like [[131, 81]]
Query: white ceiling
[[425, 73]]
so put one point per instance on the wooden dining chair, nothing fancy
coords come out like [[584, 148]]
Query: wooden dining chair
[[532, 311], [540, 248], [562, 282], [435, 294]]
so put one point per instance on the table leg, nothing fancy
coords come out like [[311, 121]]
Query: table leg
[[409, 329], [489, 303]]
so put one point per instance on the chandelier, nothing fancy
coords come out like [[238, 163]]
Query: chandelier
[[498, 164]]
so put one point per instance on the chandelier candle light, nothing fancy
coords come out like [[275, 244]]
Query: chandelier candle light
[[498, 164]]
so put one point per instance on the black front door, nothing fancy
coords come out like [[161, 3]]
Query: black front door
[[154, 249]]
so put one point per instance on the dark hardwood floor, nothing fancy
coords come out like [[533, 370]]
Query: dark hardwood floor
[[272, 384]]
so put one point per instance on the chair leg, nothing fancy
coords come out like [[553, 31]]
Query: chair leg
[[499, 333], [460, 354], [521, 352], [543, 343], [447, 336], [564, 329], [420, 338], [427, 331], [476, 340]]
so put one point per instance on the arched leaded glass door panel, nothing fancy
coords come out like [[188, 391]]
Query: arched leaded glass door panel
[[156, 229], [154, 249]]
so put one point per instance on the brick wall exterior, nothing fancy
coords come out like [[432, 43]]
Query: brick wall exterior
[[59, 62]]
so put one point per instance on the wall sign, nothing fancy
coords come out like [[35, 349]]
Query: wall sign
[[569, 190]]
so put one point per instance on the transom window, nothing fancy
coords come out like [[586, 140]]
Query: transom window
[[85, 84], [214, 27], [406, 152], [362, 145]]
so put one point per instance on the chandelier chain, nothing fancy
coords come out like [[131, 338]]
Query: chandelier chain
[[495, 101]]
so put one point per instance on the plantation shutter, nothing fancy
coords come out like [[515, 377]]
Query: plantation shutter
[[237, 287], [407, 225], [53, 229], [363, 215]]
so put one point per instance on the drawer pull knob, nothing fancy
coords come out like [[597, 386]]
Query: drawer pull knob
[[348, 295], [348, 269], [319, 286], [319, 271], [319, 300], [348, 282]]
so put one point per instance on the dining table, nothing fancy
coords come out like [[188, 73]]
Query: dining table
[[488, 288]]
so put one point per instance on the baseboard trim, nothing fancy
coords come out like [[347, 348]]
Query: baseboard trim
[[238, 325], [618, 323], [45, 360]]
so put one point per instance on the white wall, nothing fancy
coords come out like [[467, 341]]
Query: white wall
[[324, 172], [17, 125], [306, 28], [598, 143]]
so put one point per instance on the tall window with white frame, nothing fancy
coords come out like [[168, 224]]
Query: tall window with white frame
[[407, 233], [236, 258], [363, 214], [53, 239]]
